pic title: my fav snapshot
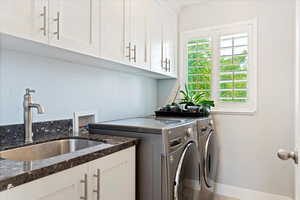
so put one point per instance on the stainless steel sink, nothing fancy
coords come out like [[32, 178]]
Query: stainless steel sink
[[48, 149]]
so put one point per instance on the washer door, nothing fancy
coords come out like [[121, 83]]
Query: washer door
[[187, 183], [210, 160]]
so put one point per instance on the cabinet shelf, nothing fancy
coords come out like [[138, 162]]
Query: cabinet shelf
[[35, 48]]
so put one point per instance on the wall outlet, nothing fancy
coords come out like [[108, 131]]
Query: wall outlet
[[81, 120]]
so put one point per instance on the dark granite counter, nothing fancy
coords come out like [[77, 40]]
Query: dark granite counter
[[14, 173]]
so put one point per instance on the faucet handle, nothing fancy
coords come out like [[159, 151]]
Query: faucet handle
[[28, 91]]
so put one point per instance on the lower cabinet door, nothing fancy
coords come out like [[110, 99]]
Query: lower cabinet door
[[114, 176], [66, 185]]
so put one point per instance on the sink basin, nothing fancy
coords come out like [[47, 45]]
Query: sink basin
[[48, 149]]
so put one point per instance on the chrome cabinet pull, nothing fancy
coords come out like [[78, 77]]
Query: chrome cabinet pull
[[57, 20], [129, 51], [134, 53], [85, 182], [169, 65], [146, 51], [44, 15], [97, 191], [166, 63]]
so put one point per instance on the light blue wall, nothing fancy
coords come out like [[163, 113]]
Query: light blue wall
[[63, 88], [165, 91]]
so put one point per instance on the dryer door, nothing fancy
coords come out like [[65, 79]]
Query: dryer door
[[210, 160], [187, 183]]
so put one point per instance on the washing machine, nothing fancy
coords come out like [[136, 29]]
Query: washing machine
[[209, 157], [208, 149], [167, 156]]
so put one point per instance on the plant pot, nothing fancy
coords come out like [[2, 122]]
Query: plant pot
[[193, 109], [205, 110]]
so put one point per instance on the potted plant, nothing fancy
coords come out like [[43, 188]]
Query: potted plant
[[196, 102]]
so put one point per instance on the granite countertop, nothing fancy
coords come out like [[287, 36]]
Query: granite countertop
[[14, 173]]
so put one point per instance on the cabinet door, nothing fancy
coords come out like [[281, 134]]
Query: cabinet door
[[140, 33], [74, 25], [112, 29], [156, 34], [170, 43], [61, 186], [26, 19], [128, 43], [116, 176]]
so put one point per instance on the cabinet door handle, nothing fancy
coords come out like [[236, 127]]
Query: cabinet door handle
[[97, 191], [166, 62], [44, 15], [129, 51], [134, 53], [169, 65], [146, 51], [162, 64], [85, 193], [57, 20]]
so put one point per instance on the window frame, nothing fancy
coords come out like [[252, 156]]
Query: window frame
[[215, 33]]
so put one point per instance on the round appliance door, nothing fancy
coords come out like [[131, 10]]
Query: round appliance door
[[187, 183], [210, 160]]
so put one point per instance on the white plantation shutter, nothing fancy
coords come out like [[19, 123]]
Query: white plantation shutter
[[221, 63], [233, 62], [200, 65]]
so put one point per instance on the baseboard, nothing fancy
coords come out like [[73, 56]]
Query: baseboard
[[246, 194]]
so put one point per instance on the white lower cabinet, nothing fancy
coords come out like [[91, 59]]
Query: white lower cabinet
[[114, 177], [108, 178], [61, 186]]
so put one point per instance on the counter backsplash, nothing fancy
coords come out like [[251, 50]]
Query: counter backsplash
[[12, 134]]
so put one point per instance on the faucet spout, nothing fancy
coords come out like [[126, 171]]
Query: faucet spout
[[28, 105], [39, 107]]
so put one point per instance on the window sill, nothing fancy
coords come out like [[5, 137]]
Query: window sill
[[237, 112]]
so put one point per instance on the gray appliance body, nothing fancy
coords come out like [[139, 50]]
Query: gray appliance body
[[208, 148], [167, 156], [209, 157]]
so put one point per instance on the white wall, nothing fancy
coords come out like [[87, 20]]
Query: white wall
[[63, 88], [249, 143]]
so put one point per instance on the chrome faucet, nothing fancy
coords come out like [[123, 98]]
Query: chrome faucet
[[28, 105]]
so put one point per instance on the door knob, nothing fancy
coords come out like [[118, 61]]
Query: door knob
[[285, 155]]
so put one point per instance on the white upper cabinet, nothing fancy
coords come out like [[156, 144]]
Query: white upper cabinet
[[74, 25], [112, 30], [136, 48], [156, 37], [137, 33], [26, 19], [170, 43], [163, 31], [128, 45], [140, 33]]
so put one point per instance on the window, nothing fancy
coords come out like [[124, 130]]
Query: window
[[233, 68], [200, 66], [220, 62]]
